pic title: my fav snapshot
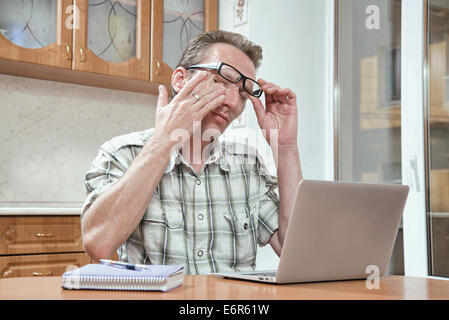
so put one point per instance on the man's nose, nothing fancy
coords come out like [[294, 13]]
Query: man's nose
[[232, 94]]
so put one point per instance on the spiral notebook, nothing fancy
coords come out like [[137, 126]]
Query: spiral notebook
[[104, 277]]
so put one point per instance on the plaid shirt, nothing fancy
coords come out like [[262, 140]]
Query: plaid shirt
[[209, 222]]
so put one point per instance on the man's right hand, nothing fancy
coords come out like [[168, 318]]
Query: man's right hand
[[185, 109]]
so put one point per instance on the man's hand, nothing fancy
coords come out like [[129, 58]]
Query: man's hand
[[280, 113], [196, 99]]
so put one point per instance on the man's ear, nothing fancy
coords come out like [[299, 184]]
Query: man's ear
[[179, 78]]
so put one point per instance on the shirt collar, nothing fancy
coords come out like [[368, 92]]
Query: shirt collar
[[215, 156]]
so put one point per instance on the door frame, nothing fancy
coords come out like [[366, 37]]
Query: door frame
[[414, 136]]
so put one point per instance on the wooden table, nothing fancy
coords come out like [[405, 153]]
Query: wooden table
[[213, 288]]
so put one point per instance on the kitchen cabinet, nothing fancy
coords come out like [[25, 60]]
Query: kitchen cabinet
[[41, 265], [173, 23], [113, 38], [123, 44], [34, 32], [40, 245]]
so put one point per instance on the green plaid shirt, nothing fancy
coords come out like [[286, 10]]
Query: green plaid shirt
[[209, 222]]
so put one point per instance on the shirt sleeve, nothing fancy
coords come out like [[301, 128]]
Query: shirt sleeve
[[268, 209], [104, 172]]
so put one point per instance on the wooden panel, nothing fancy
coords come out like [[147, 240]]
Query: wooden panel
[[41, 264], [56, 54], [36, 71], [159, 71], [40, 234], [210, 15], [85, 60]]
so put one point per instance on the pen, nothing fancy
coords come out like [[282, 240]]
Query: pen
[[126, 265]]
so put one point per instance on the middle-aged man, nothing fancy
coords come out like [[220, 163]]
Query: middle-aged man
[[173, 194]]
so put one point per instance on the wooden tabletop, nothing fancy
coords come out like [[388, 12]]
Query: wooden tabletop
[[213, 288]]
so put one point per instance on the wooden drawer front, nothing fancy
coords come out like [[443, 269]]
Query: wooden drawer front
[[40, 234], [40, 264]]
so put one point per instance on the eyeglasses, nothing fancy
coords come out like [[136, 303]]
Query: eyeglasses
[[231, 74]]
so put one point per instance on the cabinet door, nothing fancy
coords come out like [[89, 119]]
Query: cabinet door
[[41, 265], [40, 234], [113, 38], [36, 31], [173, 24]]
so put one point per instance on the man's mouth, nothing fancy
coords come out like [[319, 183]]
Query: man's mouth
[[220, 116]]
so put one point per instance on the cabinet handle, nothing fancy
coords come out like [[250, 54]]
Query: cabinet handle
[[67, 55], [10, 234], [158, 67], [7, 273], [82, 55], [41, 274], [45, 235]]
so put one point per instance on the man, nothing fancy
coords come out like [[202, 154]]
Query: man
[[159, 199]]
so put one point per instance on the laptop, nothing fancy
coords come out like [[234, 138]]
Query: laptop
[[336, 231]]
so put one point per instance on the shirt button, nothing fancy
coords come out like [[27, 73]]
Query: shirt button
[[200, 253], [200, 216], [198, 181], [245, 226]]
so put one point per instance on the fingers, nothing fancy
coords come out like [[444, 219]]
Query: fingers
[[190, 85], [274, 93], [258, 108], [213, 104], [216, 92]]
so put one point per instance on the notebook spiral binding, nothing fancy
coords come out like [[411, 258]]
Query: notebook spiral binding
[[112, 282]]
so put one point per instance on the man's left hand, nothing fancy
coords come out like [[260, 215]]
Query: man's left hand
[[280, 113]]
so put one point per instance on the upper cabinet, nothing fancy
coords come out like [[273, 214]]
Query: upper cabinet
[[174, 23], [35, 32], [113, 38], [101, 41]]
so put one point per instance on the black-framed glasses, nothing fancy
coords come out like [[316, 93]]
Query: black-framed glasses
[[231, 74]]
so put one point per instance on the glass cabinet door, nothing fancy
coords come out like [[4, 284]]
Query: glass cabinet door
[[174, 23], [113, 38], [368, 145], [36, 31], [438, 135]]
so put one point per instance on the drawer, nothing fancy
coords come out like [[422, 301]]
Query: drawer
[[40, 234], [40, 264]]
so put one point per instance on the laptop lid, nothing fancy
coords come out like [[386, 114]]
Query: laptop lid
[[338, 229]]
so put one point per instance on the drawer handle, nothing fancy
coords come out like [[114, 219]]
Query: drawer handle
[[41, 274], [7, 273], [45, 235], [10, 234]]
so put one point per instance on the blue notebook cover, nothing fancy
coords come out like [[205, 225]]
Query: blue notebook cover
[[104, 277]]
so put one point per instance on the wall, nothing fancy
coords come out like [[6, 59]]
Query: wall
[[50, 132]]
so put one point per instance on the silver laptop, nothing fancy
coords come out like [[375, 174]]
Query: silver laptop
[[336, 231]]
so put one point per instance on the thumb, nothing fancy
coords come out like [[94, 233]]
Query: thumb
[[162, 100]]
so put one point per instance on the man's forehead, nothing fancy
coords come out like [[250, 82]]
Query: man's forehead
[[223, 52]]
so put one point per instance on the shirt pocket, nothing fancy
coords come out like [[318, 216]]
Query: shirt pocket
[[163, 234], [243, 231]]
